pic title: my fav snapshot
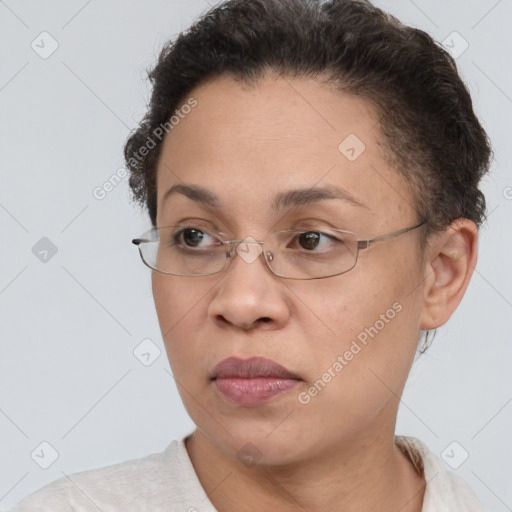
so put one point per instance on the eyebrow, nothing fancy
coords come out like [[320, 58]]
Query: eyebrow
[[288, 199]]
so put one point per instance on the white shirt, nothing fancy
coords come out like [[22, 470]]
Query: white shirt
[[167, 481]]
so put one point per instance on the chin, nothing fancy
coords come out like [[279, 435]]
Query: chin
[[261, 443]]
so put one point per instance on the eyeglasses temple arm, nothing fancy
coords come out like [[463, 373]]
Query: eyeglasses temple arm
[[138, 241], [364, 244]]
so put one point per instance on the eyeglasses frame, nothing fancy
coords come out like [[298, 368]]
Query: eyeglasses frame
[[361, 245]]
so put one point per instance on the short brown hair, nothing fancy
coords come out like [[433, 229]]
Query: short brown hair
[[429, 130]]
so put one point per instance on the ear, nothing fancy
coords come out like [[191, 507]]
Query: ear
[[450, 260]]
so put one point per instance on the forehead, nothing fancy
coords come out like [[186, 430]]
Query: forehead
[[248, 143]]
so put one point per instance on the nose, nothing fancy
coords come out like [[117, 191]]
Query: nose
[[249, 294]]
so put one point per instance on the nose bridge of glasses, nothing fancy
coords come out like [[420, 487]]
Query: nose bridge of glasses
[[249, 249]]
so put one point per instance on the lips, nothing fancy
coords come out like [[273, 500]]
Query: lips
[[251, 368], [253, 381]]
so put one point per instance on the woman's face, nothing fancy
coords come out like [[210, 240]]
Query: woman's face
[[348, 339]]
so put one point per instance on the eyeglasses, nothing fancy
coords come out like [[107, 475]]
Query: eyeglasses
[[291, 254]]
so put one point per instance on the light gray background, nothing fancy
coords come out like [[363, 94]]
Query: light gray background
[[68, 375]]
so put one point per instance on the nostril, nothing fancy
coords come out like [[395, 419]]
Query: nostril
[[222, 319]]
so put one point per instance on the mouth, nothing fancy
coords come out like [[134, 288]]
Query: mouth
[[252, 381], [252, 368]]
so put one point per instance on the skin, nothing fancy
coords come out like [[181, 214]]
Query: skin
[[245, 144]]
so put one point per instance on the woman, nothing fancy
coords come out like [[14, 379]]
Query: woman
[[311, 173]]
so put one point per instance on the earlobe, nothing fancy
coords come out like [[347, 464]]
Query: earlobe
[[450, 262]]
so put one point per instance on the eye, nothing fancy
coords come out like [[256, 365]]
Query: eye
[[311, 240], [193, 237]]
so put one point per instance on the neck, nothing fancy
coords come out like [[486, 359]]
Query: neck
[[365, 474]]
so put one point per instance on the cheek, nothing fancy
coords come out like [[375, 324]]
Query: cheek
[[178, 306], [371, 321], [168, 307], [350, 303], [358, 374]]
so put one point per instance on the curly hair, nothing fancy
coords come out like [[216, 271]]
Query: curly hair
[[428, 129]]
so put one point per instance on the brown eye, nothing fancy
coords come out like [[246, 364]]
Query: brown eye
[[192, 237], [309, 240], [317, 242]]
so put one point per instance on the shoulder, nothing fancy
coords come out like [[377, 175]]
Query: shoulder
[[445, 491], [139, 484]]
